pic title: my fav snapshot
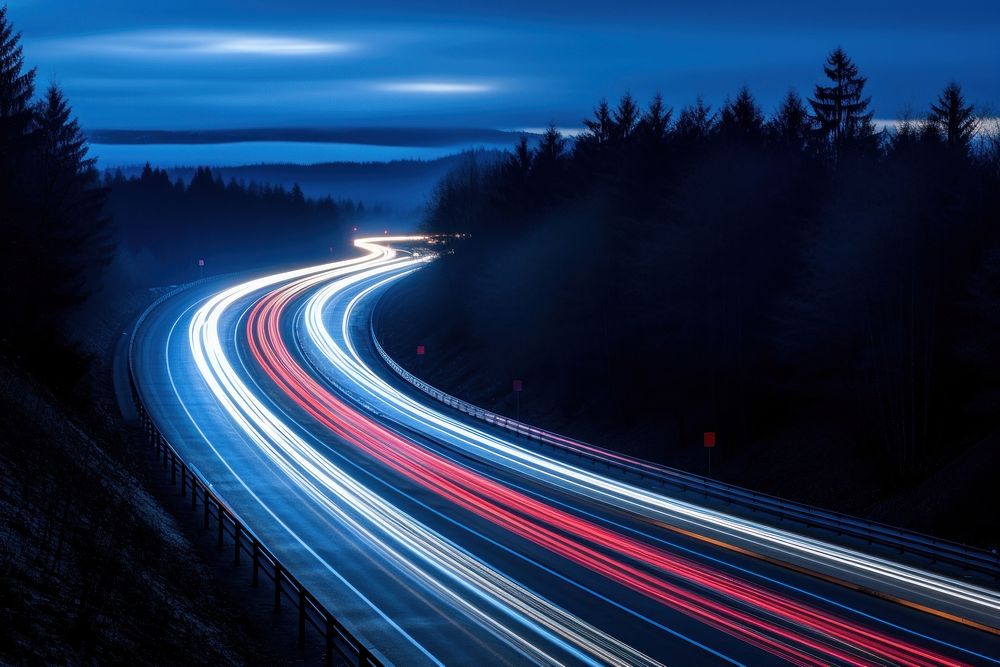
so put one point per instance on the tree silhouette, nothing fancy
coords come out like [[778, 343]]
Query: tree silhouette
[[841, 109], [655, 122], [76, 234], [741, 120], [695, 121], [601, 128], [625, 117], [17, 87], [954, 119], [57, 239], [790, 126], [725, 253], [551, 147], [518, 163]]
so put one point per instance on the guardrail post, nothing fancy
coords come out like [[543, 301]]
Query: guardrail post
[[222, 524], [194, 493], [277, 587], [302, 616], [328, 659], [236, 542], [173, 468], [184, 478], [255, 557], [205, 510]]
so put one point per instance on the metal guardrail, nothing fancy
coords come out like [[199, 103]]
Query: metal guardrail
[[906, 542], [339, 641]]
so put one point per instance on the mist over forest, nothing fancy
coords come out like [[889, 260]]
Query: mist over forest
[[821, 293]]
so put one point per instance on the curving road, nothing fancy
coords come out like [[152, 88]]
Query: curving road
[[440, 540]]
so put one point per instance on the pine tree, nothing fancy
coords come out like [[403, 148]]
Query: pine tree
[[600, 128], [17, 216], [655, 123], [75, 232], [741, 119], [626, 117], [510, 195], [840, 111], [62, 150], [518, 163], [696, 121], [16, 89], [790, 126], [953, 119], [551, 147], [546, 169]]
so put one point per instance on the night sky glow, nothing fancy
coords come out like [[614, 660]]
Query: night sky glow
[[515, 64]]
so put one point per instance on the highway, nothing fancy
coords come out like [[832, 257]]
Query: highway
[[439, 539]]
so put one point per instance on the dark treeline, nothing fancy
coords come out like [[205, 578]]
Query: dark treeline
[[56, 237], [68, 234], [167, 227], [728, 270], [92, 569]]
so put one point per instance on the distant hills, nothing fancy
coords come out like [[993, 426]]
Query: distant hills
[[400, 185], [373, 136]]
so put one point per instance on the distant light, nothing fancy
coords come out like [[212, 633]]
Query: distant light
[[182, 43], [434, 87], [565, 131]]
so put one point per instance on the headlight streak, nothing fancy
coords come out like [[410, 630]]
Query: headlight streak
[[323, 482], [641, 501], [436, 433], [489, 500], [356, 429]]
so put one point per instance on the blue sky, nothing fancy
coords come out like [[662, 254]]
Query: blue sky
[[212, 64]]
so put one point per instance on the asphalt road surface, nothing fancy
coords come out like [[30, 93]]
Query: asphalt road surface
[[439, 539]]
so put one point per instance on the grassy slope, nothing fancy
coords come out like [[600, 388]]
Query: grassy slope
[[93, 570]]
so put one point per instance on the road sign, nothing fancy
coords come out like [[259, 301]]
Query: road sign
[[518, 385], [420, 350]]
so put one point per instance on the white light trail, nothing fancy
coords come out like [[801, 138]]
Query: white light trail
[[872, 571], [437, 564]]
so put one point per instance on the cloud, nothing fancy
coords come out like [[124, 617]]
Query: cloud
[[187, 43], [434, 87]]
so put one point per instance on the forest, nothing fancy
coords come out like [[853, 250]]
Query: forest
[[663, 274], [75, 239], [93, 569], [166, 227]]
